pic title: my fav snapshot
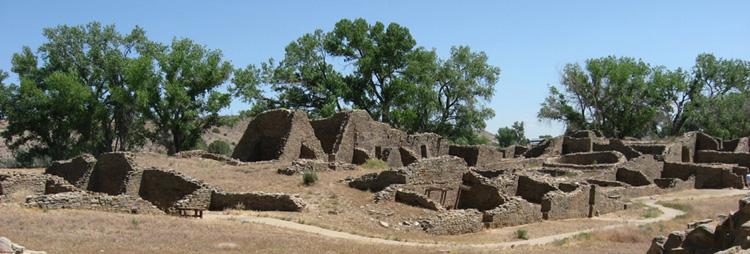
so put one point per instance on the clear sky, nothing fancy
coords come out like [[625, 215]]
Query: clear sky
[[529, 40]]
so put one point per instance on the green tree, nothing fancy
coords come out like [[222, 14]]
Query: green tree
[[185, 103], [220, 147], [458, 87], [42, 117], [378, 54], [90, 63], [618, 96], [302, 80], [515, 135], [720, 107]]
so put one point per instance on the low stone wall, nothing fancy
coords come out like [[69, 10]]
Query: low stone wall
[[93, 201], [454, 222], [742, 159], [77, 171], [548, 147], [301, 166], [259, 201], [167, 189], [557, 205], [211, 156], [656, 149], [632, 177], [480, 193], [707, 176], [513, 212], [586, 201], [616, 145], [577, 145], [477, 155], [533, 189], [418, 200]]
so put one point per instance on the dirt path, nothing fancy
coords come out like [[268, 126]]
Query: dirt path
[[667, 214]]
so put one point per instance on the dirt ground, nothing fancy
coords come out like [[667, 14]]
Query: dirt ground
[[332, 205]]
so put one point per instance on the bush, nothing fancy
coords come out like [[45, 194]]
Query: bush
[[309, 178], [522, 233], [220, 147], [216, 130], [375, 164]]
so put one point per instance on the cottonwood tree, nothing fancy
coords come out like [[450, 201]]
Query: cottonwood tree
[[618, 96], [184, 102], [86, 65], [398, 83]]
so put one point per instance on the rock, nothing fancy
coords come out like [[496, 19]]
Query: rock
[[674, 240], [5, 245], [657, 245], [384, 224]]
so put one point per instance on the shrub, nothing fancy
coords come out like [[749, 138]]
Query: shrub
[[522, 233], [220, 147], [216, 130], [375, 164], [309, 178]]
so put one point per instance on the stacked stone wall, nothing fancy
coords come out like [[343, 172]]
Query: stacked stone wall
[[480, 193], [577, 145], [454, 222], [707, 175], [418, 200], [514, 212], [110, 172], [742, 159], [93, 201], [21, 182], [533, 189], [77, 171], [616, 145], [258, 201]]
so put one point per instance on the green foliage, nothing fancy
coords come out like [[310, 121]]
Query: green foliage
[[375, 164], [511, 136], [681, 207], [392, 79], [216, 130], [522, 233], [309, 178], [185, 103], [652, 212], [91, 89], [618, 96], [220, 147], [135, 222], [624, 97]]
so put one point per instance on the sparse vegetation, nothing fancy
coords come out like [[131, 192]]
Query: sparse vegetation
[[375, 164], [681, 207], [220, 147], [652, 212], [522, 233], [309, 178]]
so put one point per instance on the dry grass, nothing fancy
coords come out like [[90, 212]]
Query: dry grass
[[66, 231]]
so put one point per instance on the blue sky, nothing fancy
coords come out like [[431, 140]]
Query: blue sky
[[529, 40]]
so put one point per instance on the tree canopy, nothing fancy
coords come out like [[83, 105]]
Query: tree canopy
[[395, 81], [91, 89], [623, 97]]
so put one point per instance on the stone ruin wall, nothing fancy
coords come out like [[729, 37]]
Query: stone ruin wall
[[94, 201], [76, 171], [13, 184], [258, 201], [110, 172], [454, 222], [279, 134], [729, 234]]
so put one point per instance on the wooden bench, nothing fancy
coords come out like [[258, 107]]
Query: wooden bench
[[197, 212]]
